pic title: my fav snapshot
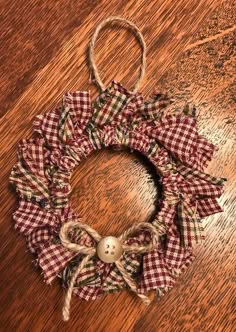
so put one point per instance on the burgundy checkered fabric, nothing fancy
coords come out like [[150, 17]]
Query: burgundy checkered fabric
[[64, 136], [80, 108]]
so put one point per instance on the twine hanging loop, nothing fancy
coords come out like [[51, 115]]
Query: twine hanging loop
[[124, 23]]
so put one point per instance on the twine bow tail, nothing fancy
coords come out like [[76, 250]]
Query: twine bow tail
[[131, 284], [91, 251], [67, 303]]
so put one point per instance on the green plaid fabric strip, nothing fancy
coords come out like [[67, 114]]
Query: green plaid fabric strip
[[60, 202], [102, 99], [111, 108], [122, 136], [74, 154], [90, 277], [28, 185], [192, 173], [191, 230], [94, 137], [152, 109], [152, 153], [65, 125]]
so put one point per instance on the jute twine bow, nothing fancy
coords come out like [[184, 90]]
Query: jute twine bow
[[91, 251], [127, 24]]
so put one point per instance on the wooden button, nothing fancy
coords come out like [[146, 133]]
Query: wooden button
[[109, 249]]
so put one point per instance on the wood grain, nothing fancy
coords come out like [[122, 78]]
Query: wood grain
[[191, 53]]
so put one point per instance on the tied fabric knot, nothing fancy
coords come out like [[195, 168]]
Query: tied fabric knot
[[90, 251]]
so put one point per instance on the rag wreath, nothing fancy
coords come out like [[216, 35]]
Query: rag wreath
[[154, 254]]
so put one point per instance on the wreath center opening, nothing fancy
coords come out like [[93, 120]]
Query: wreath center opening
[[112, 190]]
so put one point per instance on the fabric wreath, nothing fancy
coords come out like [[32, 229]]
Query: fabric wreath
[[166, 135]]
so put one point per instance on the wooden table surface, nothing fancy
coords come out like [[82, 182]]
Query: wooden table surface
[[191, 53]]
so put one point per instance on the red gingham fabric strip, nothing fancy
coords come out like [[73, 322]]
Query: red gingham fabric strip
[[31, 153], [207, 207], [38, 238], [30, 216], [52, 259], [47, 126], [178, 134], [156, 273], [79, 103]]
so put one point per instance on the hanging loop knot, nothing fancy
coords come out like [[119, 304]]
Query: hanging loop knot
[[90, 251], [94, 75]]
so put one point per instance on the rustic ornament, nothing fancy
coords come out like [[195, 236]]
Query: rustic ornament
[[148, 255]]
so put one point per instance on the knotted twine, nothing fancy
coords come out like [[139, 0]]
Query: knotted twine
[[91, 251]]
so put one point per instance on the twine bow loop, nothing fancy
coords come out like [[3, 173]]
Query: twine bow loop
[[82, 249]]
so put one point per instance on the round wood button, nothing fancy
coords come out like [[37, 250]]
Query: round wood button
[[109, 249]]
